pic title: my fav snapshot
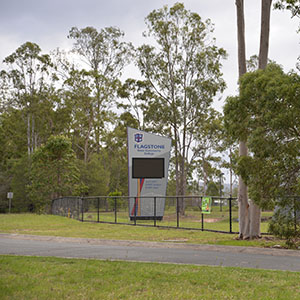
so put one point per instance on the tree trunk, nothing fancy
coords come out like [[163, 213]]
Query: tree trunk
[[244, 215], [176, 162], [241, 37], [264, 33], [230, 172], [32, 133], [28, 135], [255, 211], [204, 176], [255, 218]]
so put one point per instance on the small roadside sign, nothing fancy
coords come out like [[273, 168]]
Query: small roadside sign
[[9, 197], [206, 205]]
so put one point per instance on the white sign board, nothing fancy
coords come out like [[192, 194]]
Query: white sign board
[[10, 195], [148, 164]]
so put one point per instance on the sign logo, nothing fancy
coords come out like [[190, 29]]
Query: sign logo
[[138, 137]]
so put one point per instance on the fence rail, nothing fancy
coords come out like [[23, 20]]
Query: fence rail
[[115, 210]]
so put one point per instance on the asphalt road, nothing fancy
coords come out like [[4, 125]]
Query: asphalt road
[[245, 257]]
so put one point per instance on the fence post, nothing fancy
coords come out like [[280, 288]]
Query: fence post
[[78, 209], [82, 209], [115, 209], [230, 214], [98, 209], [295, 215], [134, 210], [106, 205], [177, 211], [154, 211]]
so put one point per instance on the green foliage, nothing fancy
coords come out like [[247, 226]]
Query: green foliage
[[20, 173], [115, 202], [81, 190], [53, 172], [45, 98], [116, 152], [184, 73], [28, 80], [106, 55], [291, 5], [94, 175], [267, 115], [212, 189], [285, 223], [136, 93], [12, 135]]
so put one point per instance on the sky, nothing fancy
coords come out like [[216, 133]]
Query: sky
[[47, 24]]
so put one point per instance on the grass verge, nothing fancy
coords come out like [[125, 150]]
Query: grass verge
[[60, 226], [58, 278]]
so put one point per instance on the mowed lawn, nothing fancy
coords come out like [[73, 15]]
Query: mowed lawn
[[50, 225], [58, 278]]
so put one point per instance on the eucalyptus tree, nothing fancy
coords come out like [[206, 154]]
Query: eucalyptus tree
[[79, 103], [268, 112], [27, 78], [104, 55], [292, 5], [184, 72], [116, 153], [208, 147], [134, 96], [249, 213]]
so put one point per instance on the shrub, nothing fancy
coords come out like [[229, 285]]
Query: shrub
[[285, 222], [111, 201]]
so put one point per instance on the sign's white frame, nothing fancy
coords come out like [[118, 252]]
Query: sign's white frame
[[144, 191]]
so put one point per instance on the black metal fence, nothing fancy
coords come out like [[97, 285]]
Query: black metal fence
[[179, 212], [182, 212]]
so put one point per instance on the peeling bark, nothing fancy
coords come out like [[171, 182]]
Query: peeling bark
[[255, 211], [255, 218], [244, 216], [264, 33], [249, 212]]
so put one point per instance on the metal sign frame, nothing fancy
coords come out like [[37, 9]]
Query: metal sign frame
[[142, 144]]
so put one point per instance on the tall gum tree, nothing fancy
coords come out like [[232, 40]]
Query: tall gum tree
[[255, 211], [27, 75], [80, 105], [184, 72], [249, 212], [244, 218], [105, 55]]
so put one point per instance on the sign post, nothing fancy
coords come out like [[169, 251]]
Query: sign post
[[9, 196]]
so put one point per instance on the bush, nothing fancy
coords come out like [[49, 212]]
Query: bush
[[111, 201], [285, 223]]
